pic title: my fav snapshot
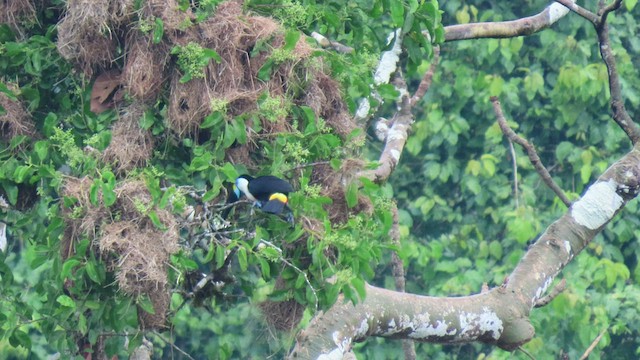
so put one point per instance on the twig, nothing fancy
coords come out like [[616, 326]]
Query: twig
[[526, 353], [533, 155], [174, 346], [604, 11], [599, 21], [515, 172], [552, 294], [304, 274], [593, 18], [620, 114], [325, 42], [425, 83], [593, 345]]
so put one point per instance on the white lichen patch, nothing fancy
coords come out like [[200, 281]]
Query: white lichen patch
[[362, 329], [396, 134], [363, 109], [598, 205], [425, 330], [335, 354], [541, 290], [567, 247], [472, 325], [395, 155], [342, 342], [556, 12], [389, 61]]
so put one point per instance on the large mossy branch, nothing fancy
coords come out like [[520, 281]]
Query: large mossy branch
[[499, 316]]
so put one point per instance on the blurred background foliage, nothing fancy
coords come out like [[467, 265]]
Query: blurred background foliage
[[461, 223]]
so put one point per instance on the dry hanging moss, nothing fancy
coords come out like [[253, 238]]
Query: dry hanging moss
[[85, 35], [332, 185], [16, 13], [133, 247], [144, 70], [131, 146], [16, 121]]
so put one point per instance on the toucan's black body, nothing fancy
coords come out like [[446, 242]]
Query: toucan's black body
[[263, 187], [270, 193]]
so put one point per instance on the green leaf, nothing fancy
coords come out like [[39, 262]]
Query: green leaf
[[92, 271], [156, 220], [66, 301], [158, 31], [242, 258], [145, 304], [265, 268], [67, 267], [212, 120], [291, 39], [397, 13], [352, 194], [264, 73], [20, 338], [21, 172], [41, 149], [630, 4]]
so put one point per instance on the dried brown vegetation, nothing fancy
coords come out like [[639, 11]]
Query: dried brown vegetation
[[16, 120], [131, 146]]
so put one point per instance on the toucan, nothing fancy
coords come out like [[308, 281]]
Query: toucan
[[269, 193]]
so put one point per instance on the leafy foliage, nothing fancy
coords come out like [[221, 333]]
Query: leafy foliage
[[461, 223]]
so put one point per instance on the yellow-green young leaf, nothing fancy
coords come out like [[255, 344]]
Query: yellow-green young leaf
[[473, 167], [495, 249], [242, 259], [496, 86], [82, 324], [66, 301], [585, 173], [630, 4], [489, 163], [463, 16]]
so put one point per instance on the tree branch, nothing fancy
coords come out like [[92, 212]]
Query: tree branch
[[499, 316], [620, 114], [397, 268], [531, 152], [505, 29]]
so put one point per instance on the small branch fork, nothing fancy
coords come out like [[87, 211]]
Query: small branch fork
[[620, 114], [396, 131], [531, 152]]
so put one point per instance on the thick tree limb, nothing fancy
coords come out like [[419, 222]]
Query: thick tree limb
[[531, 152], [506, 29], [499, 316]]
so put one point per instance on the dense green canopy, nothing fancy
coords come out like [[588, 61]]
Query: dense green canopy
[[124, 122]]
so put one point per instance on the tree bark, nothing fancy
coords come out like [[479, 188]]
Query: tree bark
[[499, 316]]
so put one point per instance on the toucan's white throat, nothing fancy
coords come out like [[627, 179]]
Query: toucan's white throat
[[243, 185]]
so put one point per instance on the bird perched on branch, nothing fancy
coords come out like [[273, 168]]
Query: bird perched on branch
[[269, 193]]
